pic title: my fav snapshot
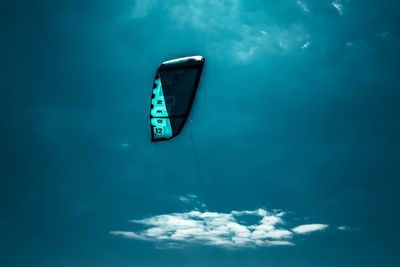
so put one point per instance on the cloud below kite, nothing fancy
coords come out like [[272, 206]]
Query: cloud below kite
[[236, 229]]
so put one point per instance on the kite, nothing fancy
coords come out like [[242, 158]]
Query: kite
[[174, 89]]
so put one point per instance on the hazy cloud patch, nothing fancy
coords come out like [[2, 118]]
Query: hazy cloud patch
[[203, 14], [124, 146], [233, 31], [303, 5], [383, 34], [142, 8]]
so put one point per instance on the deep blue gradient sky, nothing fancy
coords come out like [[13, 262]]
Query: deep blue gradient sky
[[298, 110]]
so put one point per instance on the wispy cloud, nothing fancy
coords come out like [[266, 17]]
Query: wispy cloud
[[338, 5], [191, 199], [229, 230]]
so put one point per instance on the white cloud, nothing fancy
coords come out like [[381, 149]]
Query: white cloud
[[309, 228], [219, 229], [338, 5]]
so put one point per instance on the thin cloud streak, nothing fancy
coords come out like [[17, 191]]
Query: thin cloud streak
[[309, 228]]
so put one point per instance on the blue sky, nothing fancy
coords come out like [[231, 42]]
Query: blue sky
[[289, 157]]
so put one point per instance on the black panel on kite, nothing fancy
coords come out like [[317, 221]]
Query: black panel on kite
[[174, 89]]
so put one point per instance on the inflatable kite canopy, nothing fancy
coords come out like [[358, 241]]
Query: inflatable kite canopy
[[174, 89]]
